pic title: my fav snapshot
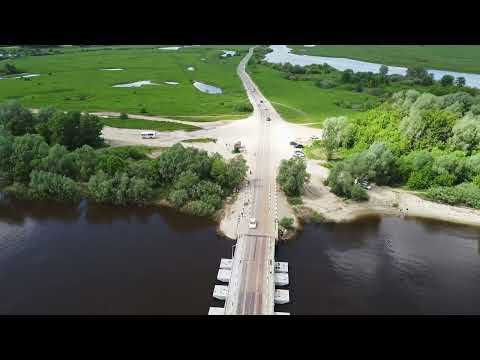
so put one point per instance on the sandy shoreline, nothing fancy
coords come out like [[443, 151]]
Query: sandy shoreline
[[383, 200]]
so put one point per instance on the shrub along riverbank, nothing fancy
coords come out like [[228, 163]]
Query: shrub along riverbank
[[60, 156], [424, 142]]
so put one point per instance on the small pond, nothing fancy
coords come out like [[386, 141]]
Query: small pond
[[136, 84], [228, 53], [209, 89]]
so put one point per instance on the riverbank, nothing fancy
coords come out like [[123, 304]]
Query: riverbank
[[383, 200]]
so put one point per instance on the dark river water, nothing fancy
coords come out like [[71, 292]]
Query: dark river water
[[104, 260]]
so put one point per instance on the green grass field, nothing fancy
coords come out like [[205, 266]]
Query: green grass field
[[302, 101], [147, 125], [463, 58], [77, 83]]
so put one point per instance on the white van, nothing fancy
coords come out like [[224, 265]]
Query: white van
[[149, 135]]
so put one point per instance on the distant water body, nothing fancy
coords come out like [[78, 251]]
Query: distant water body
[[282, 54]]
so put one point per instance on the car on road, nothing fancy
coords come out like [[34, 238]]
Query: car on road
[[252, 223]]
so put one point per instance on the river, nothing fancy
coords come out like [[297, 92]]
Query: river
[[95, 259], [283, 54]]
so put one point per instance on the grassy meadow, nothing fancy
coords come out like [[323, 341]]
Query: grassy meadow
[[302, 101], [74, 80], [147, 124], [463, 58]]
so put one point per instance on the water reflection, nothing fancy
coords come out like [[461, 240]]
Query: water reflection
[[384, 266], [282, 54], [97, 259]]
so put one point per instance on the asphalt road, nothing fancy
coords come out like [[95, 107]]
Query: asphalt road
[[251, 287]]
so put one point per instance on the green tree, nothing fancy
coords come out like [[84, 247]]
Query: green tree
[[336, 132], [58, 161], [10, 69], [460, 81], [447, 80], [6, 155], [466, 133], [383, 70], [73, 130], [286, 222], [111, 164], [292, 176], [15, 119], [28, 151], [49, 186]]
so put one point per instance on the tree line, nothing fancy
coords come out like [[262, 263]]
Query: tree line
[[61, 156], [425, 142]]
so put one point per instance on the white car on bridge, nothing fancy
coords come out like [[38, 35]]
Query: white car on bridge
[[252, 224]]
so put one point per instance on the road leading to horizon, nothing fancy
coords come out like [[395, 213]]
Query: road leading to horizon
[[251, 288]]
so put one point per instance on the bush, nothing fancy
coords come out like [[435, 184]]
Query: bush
[[421, 179], [198, 208], [325, 84], [243, 107], [123, 116], [358, 193], [286, 222], [48, 186], [463, 194], [294, 200]]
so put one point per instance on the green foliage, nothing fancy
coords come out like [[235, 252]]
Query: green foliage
[[292, 176], [10, 69], [286, 222], [358, 193], [6, 152], [28, 151], [476, 180], [111, 164], [466, 133], [73, 130], [119, 189], [243, 107], [178, 197], [145, 169], [58, 161], [447, 80], [421, 179], [15, 119], [337, 132], [377, 164], [198, 208], [464, 194], [49, 186], [123, 116]]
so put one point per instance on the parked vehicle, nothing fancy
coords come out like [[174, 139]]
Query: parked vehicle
[[268, 119], [299, 146], [252, 224], [293, 143], [149, 135]]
